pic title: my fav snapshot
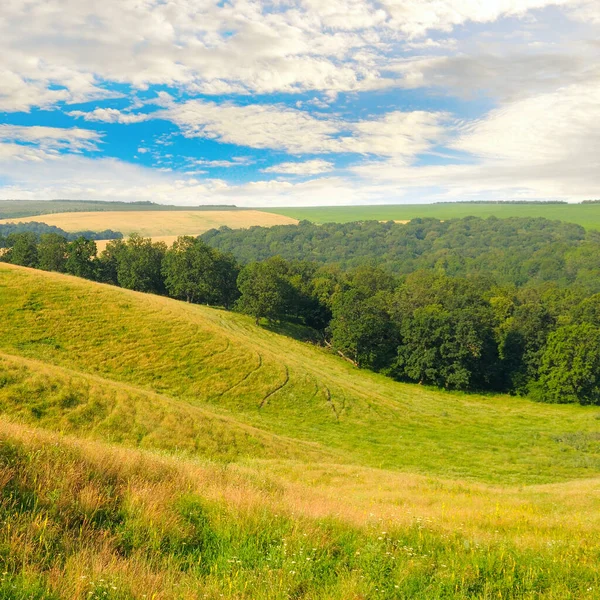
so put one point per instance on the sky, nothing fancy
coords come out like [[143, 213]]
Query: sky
[[300, 102]]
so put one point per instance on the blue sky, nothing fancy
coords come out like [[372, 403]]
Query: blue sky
[[300, 102]]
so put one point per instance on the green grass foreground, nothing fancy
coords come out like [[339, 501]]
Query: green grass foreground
[[155, 449], [587, 215]]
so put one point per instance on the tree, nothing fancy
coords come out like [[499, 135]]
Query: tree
[[52, 252], [570, 366], [107, 269], [187, 268], [80, 258], [362, 330], [521, 343], [451, 349], [224, 279], [23, 249], [139, 265], [264, 289], [197, 273]]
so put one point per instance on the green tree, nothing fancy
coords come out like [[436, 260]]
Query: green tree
[[570, 366], [187, 268], [80, 258], [224, 280], [362, 330], [197, 273], [139, 265], [265, 290], [23, 249], [451, 349], [521, 343], [108, 262], [52, 252]]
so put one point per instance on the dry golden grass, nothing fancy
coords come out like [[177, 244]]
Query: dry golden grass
[[118, 515], [158, 223]]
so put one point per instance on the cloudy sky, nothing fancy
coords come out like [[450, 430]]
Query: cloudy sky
[[300, 102]]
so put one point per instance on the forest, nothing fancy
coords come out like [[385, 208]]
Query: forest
[[469, 305], [514, 250]]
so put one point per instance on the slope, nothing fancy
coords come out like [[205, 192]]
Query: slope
[[283, 395]]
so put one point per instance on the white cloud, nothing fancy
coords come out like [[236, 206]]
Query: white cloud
[[520, 72], [74, 48], [417, 17], [308, 167], [546, 146], [556, 127], [279, 127], [109, 115], [236, 161], [37, 142], [254, 126]]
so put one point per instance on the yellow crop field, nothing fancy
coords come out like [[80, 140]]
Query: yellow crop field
[[158, 223]]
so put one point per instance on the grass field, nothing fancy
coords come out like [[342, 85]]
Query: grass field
[[201, 456], [165, 225], [587, 215]]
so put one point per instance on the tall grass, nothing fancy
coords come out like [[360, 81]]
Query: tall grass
[[121, 524]]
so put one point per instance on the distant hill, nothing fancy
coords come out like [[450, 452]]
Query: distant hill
[[585, 214], [14, 209]]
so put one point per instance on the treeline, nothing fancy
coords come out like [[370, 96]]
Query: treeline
[[479, 202], [465, 333], [39, 229], [515, 250]]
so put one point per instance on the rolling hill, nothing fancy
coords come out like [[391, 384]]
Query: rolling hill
[[161, 225], [202, 456]]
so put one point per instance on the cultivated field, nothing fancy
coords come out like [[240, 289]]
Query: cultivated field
[[587, 215], [204, 457], [164, 225]]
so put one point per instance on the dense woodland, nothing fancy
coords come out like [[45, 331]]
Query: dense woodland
[[490, 305], [515, 250]]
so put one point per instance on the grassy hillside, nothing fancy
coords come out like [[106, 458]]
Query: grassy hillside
[[587, 215], [221, 362], [155, 449]]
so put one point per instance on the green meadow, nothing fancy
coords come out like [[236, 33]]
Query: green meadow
[[151, 448], [587, 215]]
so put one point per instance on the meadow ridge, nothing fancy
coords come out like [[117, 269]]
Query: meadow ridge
[[203, 455]]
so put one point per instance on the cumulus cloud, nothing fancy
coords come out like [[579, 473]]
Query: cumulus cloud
[[279, 127], [307, 167], [73, 48], [536, 135], [545, 146], [44, 143], [109, 115], [556, 127]]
